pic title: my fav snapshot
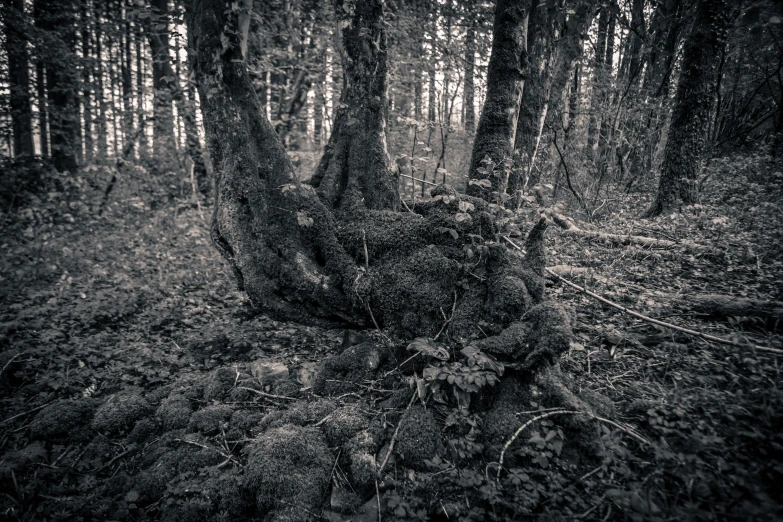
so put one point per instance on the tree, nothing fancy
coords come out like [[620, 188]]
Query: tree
[[338, 251], [496, 131], [18, 75], [56, 18], [692, 104], [535, 98]]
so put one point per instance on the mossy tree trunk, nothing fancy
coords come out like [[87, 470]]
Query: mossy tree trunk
[[497, 126], [691, 114], [535, 98], [338, 250]]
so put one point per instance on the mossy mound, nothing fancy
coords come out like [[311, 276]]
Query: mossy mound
[[207, 420], [219, 384], [120, 412], [63, 419], [418, 438], [343, 373], [343, 424], [360, 454], [142, 431], [288, 470], [174, 411], [299, 413]]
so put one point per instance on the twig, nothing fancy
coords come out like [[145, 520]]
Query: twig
[[519, 431], [204, 446], [400, 365], [707, 337], [629, 431], [267, 395], [366, 254], [9, 362], [9, 419], [406, 205], [396, 431], [448, 320], [421, 180], [378, 499]]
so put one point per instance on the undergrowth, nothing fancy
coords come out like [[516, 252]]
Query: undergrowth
[[128, 388]]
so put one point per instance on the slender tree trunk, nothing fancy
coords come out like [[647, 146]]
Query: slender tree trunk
[[496, 132], [692, 104], [87, 85], [470, 72], [100, 95], [127, 80], [163, 144], [14, 23], [597, 104], [140, 63], [57, 19], [535, 99], [43, 108]]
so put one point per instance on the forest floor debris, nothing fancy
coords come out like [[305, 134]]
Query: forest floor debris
[[130, 386]]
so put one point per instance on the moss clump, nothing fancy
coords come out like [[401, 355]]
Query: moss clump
[[207, 420], [174, 412], [360, 452], [288, 470], [245, 419], [299, 413], [418, 438], [341, 373], [120, 412], [343, 424], [63, 419], [142, 431], [219, 384]]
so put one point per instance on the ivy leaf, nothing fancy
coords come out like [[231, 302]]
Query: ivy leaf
[[466, 206], [478, 358], [459, 217]]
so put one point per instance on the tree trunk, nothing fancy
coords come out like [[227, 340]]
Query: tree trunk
[[163, 144], [18, 76], [691, 113], [470, 71], [57, 19], [142, 120], [43, 110], [535, 98], [87, 66], [496, 133], [100, 96]]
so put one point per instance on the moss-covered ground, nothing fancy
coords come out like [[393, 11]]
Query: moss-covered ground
[[127, 388]]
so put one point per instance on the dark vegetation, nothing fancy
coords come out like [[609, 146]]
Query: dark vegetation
[[393, 330]]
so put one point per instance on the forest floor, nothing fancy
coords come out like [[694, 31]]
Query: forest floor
[[123, 309]]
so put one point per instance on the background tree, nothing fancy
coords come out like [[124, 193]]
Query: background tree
[[13, 15], [691, 113]]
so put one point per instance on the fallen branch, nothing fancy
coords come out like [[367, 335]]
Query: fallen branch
[[509, 442], [396, 431], [267, 395], [662, 323]]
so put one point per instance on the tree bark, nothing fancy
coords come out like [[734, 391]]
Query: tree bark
[[691, 113], [57, 19], [87, 66], [496, 132], [163, 144], [14, 24], [470, 72], [535, 98]]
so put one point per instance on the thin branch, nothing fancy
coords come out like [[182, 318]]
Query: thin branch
[[396, 431]]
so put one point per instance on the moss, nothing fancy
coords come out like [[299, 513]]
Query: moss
[[418, 438], [299, 413], [207, 420], [288, 470], [343, 424], [63, 419], [360, 452], [142, 431], [219, 384], [341, 373], [245, 419], [174, 411], [120, 412]]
